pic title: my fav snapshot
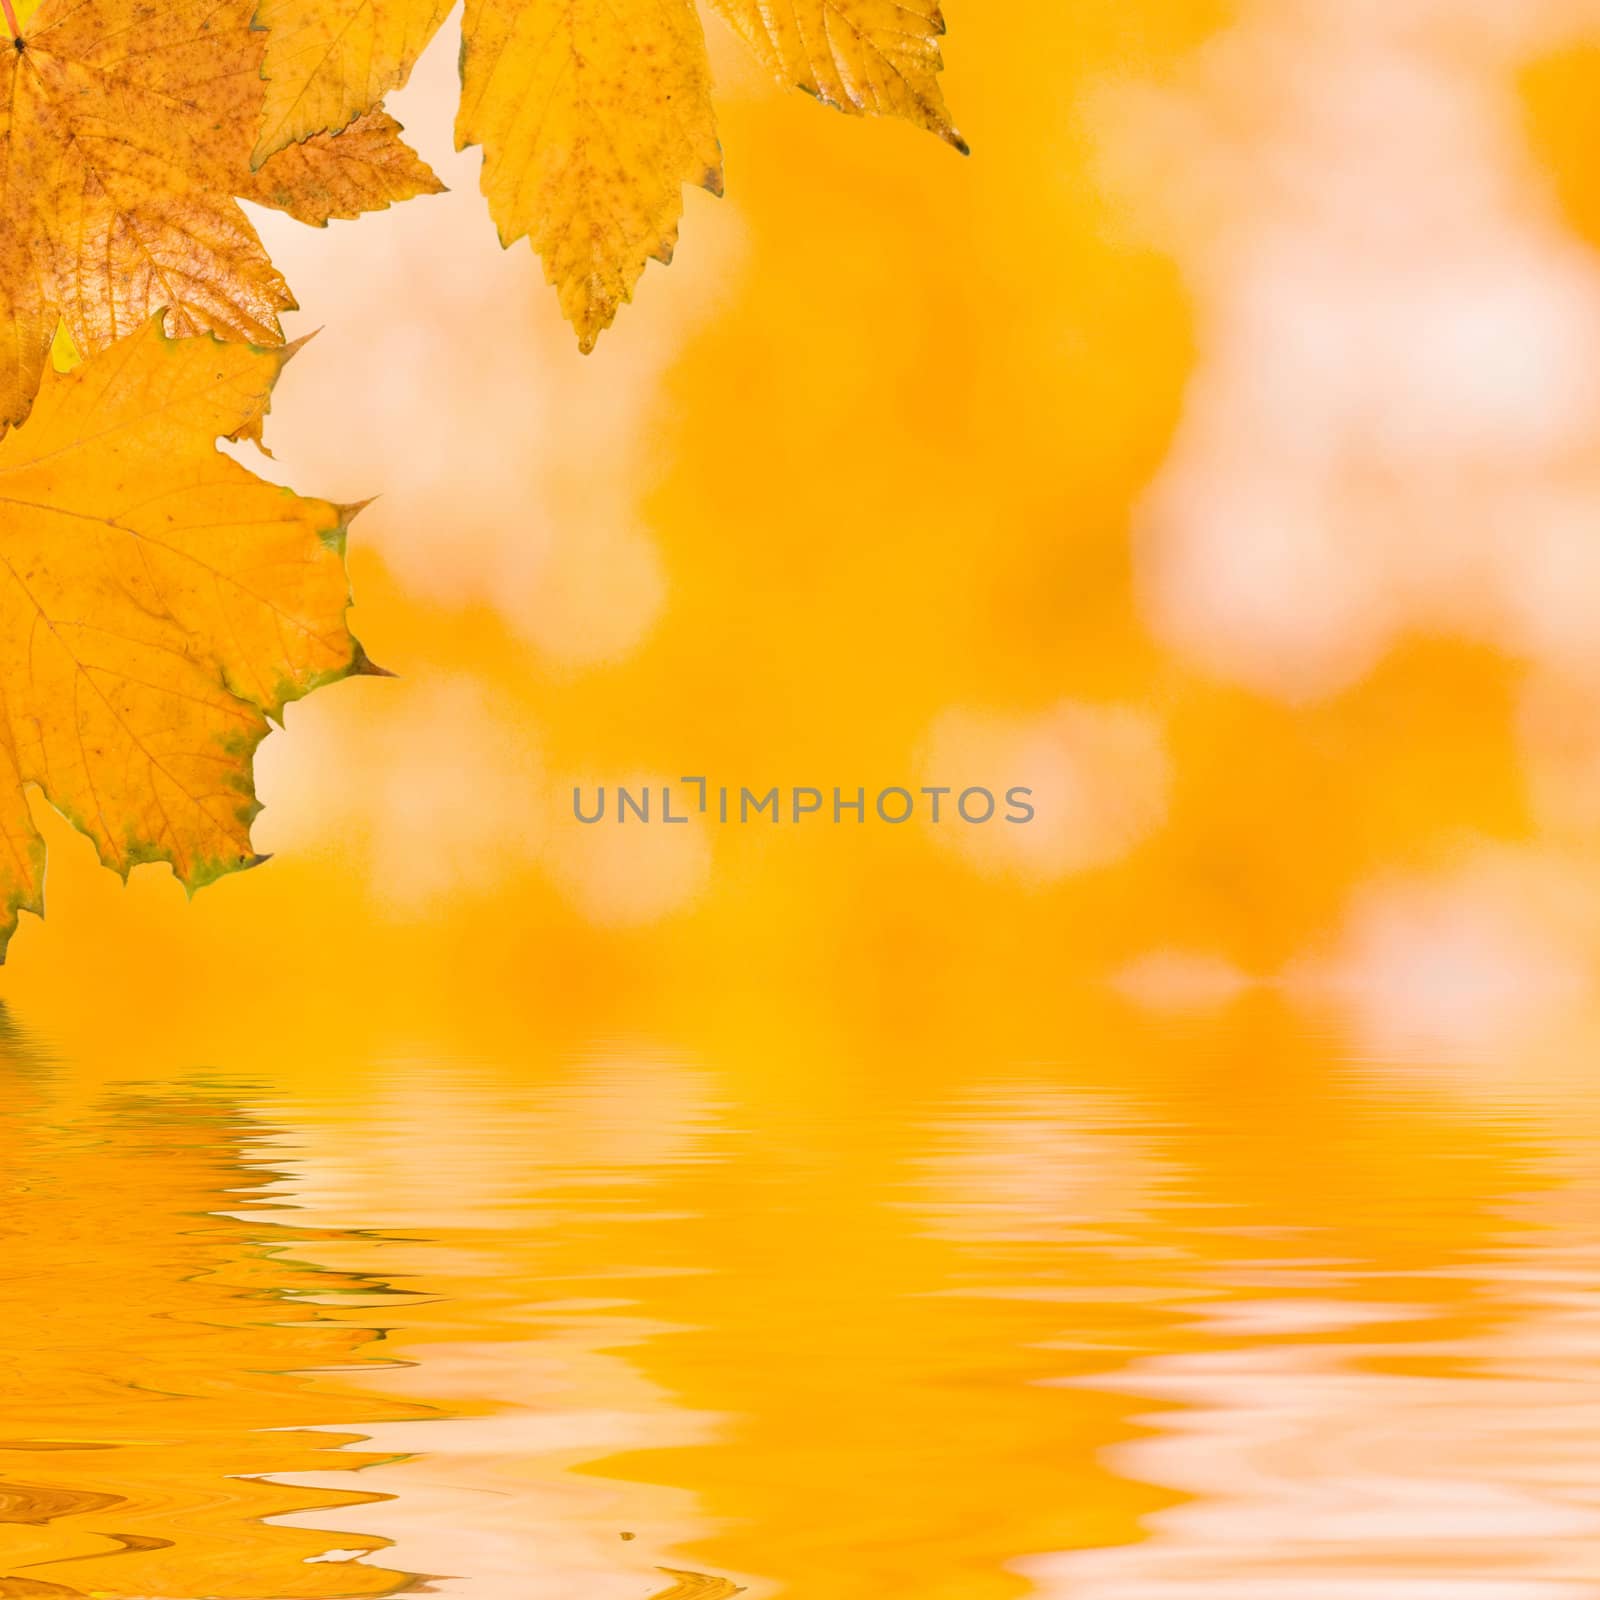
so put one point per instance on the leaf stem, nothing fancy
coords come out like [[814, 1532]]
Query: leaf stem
[[11, 19]]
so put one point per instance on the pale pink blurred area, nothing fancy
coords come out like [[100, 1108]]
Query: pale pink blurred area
[[1474, 957], [456, 804], [1392, 425], [1459, 1495], [510, 476], [442, 378], [492, 1489], [451, 797], [1096, 779], [1180, 981], [1391, 434], [622, 877], [1317, 1462]]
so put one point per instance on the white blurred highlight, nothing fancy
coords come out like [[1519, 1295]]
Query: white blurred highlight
[[521, 492], [1169, 979], [492, 1494], [437, 784], [1306, 1477], [1099, 776], [1393, 421], [438, 789], [1472, 957], [627, 874], [519, 496]]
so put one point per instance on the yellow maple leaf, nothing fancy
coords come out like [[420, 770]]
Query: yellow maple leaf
[[158, 603], [866, 57], [126, 129], [590, 129], [594, 114], [366, 167]]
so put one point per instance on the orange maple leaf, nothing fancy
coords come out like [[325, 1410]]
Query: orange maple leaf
[[126, 129], [158, 603]]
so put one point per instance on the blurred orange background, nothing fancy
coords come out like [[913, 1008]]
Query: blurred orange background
[[1215, 450], [846, 1209]]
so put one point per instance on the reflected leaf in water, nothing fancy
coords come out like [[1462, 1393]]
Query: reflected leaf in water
[[155, 1346], [696, 1586], [1151, 1313]]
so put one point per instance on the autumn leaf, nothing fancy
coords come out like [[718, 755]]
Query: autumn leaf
[[867, 57], [158, 603], [590, 129], [594, 114], [126, 130], [327, 61], [364, 168]]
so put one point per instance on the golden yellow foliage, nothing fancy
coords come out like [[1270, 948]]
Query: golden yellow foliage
[[127, 129], [365, 168], [589, 132], [593, 116], [327, 61], [158, 602], [868, 57]]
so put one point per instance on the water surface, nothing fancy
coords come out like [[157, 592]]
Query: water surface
[[1223, 1308]]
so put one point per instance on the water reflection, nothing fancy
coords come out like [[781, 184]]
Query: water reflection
[[1156, 1313], [535, 1216], [158, 1352]]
